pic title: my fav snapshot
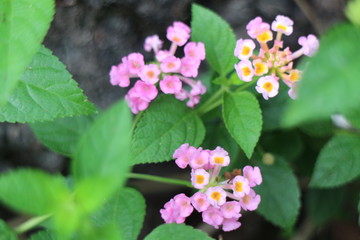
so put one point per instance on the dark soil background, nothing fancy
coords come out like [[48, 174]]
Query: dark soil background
[[91, 35]]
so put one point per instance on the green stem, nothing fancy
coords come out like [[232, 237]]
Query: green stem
[[160, 179], [136, 120], [209, 104], [244, 86], [31, 223]]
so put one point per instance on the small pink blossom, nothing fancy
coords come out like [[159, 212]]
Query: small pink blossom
[[162, 54], [231, 209], [230, 224], [189, 67], [193, 100], [244, 49], [282, 24], [183, 26], [150, 73], [199, 178], [170, 84], [184, 204], [253, 175], [293, 93], [199, 201], [310, 44], [250, 201], [245, 70], [183, 154], [153, 43], [136, 103], [197, 89], [182, 95], [171, 212], [199, 159], [219, 157], [213, 216], [179, 33], [119, 75], [136, 62], [195, 50], [256, 27], [240, 186], [170, 64], [268, 86], [216, 196], [144, 90]]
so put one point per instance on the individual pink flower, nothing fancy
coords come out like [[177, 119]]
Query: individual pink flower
[[195, 50], [150, 73], [219, 157], [193, 100], [245, 70], [240, 186], [199, 178], [213, 217], [261, 67], [183, 154], [231, 209], [178, 34], [183, 26], [162, 54], [170, 84], [199, 201], [282, 24], [254, 26], [216, 196], [170, 64], [144, 90], [197, 89], [268, 86], [199, 159], [182, 95], [230, 224], [250, 201], [184, 204], [171, 212], [153, 43], [136, 103], [293, 93], [189, 67], [119, 75], [135, 62], [310, 44], [253, 175], [244, 49]]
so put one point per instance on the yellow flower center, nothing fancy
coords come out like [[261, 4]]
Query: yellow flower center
[[150, 74], [246, 50], [176, 39], [268, 86], [170, 65], [238, 187], [216, 196], [260, 68], [219, 160], [199, 179], [246, 71], [281, 27], [265, 36], [294, 76]]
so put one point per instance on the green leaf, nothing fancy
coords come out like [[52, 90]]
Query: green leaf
[[175, 232], [330, 83], [102, 157], [45, 91], [23, 25], [6, 233], [32, 191], [338, 162], [166, 125], [62, 134], [242, 117], [126, 209], [43, 235], [218, 37], [280, 194]]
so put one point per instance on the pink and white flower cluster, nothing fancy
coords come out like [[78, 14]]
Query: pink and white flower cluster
[[271, 64], [172, 73], [219, 199]]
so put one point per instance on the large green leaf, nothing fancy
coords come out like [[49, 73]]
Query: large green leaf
[[166, 125], [32, 191], [102, 157], [330, 83], [23, 25], [175, 232], [43, 235], [338, 162], [218, 37], [62, 134], [45, 91], [242, 117], [126, 209], [280, 194], [6, 233]]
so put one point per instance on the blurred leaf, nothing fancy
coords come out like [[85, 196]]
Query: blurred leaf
[[280, 194], [322, 128], [352, 11], [166, 125], [232, 80], [338, 162], [23, 26], [176, 231], [242, 117], [105, 232], [102, 156], [32, 191], [46, 91], [6, 233], [43, 235], [62, 134], [354, 117], [218, 37], [126, 209], [330, 83]]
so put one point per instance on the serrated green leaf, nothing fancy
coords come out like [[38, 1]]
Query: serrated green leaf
[[32, 191], [338, 162], [330, 83], [6, 233], [242, 117], [23, 25], [45, 91], [280, 194], [43, 235], [175, 232], [126, 209], [218, 37], [102, 157], [166, 125], [62, 134]]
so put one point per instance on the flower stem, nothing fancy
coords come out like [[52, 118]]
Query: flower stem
[[136, 119], [160, 179], [212, 102], [31, 223]]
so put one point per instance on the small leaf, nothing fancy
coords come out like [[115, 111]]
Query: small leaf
[[23, 25], [242, 117], [46, 91], [6, 233], [334, 89], [280, 194], [218, 37], [338, 162], [32, 191], [175, 232], [62, 134], [166, 125], [102, 157], [126, 209]]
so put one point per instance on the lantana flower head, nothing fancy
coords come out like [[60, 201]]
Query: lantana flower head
[[172, 74], [220, 199], [271, 63]]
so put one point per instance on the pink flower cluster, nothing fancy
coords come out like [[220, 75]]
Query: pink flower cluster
[[171, 72], [271, 64], [219, 199]]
